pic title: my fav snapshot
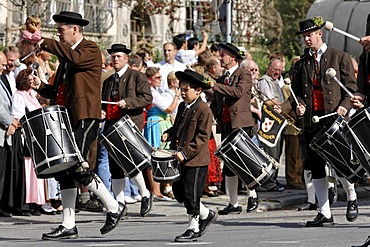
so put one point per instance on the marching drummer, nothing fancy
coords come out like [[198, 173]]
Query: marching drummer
[[77, 86], [322, 95], [189, 136], [130, 102]]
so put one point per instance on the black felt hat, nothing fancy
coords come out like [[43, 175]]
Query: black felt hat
[[70, 17], [119, 48], [310, 25], [193, 78], [233, 49]]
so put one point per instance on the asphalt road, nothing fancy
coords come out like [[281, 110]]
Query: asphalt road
[[284, 227]]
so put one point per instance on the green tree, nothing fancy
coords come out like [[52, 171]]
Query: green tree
[[292, 12]]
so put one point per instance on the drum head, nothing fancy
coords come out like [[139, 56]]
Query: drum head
[[163, 154]]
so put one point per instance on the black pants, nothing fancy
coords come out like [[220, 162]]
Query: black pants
[[85, 132], [188, 189], [311, 159]]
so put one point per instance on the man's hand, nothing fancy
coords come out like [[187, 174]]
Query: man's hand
[[341, 111], [122, 104], [365, 42], [356, 102], [301, 109]]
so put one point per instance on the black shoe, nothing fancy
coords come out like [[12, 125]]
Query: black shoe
[[230, 209], [188, 236], [320, 220], [91, 206], [61, 233], [35, 212], [146, 205], [112, 219], [307, 206], [352, 211], [252, 204], [5, 214], [204, 224], [366, 244], [333, 195], [278, 188]]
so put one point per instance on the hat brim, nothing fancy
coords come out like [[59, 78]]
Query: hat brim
[[225, 46], [127, 51], [68, 19], [309, 29], [185, 76]]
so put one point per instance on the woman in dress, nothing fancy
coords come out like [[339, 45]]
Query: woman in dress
[[24, 101], [158, 120]]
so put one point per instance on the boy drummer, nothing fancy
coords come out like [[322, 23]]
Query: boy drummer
[[189, 136]]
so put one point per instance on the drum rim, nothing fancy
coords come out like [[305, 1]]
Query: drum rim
[[48, 109]]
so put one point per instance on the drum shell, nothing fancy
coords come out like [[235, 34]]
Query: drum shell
[[333, 147], [245, 159], [51, 142], [165, 169], [127, 146], [356, 131]]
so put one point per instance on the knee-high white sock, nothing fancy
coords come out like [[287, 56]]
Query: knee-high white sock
[[321, 189], [194, 222], [232, 188], [203, 211], [69, 203], [118, 188], [309, 186], [140, 183], [251, 193], [99, 189], [349, 188]]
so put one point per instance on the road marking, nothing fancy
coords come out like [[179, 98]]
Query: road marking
[[279, 242], [190, 243]]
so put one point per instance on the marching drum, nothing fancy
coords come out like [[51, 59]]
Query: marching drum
[[252, 165], [165, 166], [356, 133], [127, 146], [51, 142], [331, 145]]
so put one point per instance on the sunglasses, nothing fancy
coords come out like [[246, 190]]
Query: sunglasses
[[253, 70], [157, 77]]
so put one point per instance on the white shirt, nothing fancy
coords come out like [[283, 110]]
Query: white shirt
[[320, 51], [160, 101], [186, 57], [165, 69], [23, 100]]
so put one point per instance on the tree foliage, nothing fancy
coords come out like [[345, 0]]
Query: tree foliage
[[292, 12]]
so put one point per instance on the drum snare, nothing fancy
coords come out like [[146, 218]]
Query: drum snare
[[165, 166]]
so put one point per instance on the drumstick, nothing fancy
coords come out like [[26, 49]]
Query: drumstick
[[288, 82], [166, 151], [108, 102], [316, 119], [329, 26], [331, 74]]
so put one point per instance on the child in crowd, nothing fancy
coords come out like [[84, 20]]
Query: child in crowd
[[189, 136]]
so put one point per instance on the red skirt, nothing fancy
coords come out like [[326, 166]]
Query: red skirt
[[214, 168]]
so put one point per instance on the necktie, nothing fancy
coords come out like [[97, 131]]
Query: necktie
[[115, 86], [227, 78]]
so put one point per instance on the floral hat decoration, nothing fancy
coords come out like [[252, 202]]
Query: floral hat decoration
[[310, 25], [193, 78]]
